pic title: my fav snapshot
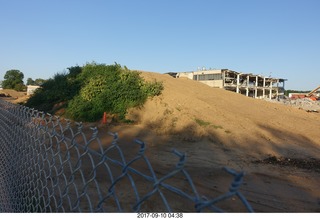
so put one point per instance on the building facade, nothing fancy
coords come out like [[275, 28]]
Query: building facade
[[248, 84], [31, 89]]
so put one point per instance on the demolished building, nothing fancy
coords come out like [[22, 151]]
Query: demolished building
[[251, 85]]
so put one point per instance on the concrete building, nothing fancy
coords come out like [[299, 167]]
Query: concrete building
[[31, 89], [248, 84]]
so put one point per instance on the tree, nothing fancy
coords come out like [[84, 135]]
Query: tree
[[13, 79], [38, 81], [30, 81]]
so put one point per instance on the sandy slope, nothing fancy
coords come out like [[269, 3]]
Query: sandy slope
[[234, 131], [230, 119]]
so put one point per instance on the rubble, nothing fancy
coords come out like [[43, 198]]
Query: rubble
[[302, 103]]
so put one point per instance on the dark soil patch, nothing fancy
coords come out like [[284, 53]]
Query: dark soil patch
[[308, 164], [4, 95]]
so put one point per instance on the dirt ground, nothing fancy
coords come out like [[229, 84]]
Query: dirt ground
[[277, 146], [13, 96]]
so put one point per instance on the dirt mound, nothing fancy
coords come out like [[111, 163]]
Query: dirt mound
[[217, 128], [194, 111], [13, 96], [13, 93]]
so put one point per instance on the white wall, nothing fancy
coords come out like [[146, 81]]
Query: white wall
[[31, 89]]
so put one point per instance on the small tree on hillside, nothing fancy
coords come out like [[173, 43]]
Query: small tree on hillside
[[13, 79], [30, 81]]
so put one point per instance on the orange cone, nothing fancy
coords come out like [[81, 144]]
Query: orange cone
[[104, 118]]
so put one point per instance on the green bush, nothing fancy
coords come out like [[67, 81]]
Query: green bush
[[20, 87], [61, 88], [153, 88], [110, 88], [93, 89]]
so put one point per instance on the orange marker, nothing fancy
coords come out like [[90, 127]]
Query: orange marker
[[104, 119]]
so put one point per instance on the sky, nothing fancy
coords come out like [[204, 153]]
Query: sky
[[280, 38]]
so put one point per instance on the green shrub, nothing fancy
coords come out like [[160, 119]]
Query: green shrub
[[78, 108], [93, 89], [62, 87], [109, 88], [153, 88], [201, 122]]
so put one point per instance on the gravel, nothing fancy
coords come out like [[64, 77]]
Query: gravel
[[303, 103]]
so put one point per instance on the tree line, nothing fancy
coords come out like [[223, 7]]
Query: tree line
[[13, 79]]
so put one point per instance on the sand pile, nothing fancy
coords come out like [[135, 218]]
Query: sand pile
[[194, 111]]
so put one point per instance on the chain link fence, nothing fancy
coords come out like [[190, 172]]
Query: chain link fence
[[52, 165]]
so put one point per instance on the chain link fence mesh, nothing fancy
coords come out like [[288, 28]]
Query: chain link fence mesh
[[49, 165]]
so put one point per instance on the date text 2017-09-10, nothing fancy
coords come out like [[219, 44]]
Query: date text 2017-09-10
[[160, 215]]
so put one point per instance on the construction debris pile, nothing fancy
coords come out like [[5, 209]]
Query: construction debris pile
[[306, 104]]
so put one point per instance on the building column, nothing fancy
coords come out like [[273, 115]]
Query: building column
[[238, 82], [277, 88], [270, 95], [256, 88], [223, 79], [247, 87], [264, 85]]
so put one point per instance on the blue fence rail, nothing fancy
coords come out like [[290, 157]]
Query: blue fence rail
[[50, 165]]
